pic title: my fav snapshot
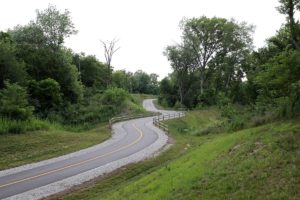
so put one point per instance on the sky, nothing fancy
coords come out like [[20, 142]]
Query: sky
[[144, 27]]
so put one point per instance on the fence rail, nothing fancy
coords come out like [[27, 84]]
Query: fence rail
[[124, 118], [158, 121]]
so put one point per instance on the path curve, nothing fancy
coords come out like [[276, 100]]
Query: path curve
[[132, 141]]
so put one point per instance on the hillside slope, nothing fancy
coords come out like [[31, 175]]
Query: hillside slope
[[255, 163]]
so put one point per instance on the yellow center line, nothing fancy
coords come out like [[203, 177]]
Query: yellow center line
[[79, 163]]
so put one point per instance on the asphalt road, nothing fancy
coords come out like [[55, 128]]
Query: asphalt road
[[138, 136]]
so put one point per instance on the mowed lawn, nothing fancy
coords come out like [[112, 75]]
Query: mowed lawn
[[19, 149], [255, 163]]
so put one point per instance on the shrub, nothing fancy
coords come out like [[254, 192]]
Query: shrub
[[45, 94], [87, 114], [222, 100], [14, 102], [178, 105], [295, 98], [114, 97]]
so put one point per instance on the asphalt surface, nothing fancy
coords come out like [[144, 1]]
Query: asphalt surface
[[138, 136]]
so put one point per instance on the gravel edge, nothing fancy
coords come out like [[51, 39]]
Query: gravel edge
[[65, 184]]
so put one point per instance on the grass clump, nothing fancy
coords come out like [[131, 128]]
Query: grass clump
[[21, 126]]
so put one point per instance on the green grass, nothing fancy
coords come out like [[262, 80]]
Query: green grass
[[134, 105], [255, 163], [162, 107], [138, 98], [197, 123], [17, 126], [19, 149]]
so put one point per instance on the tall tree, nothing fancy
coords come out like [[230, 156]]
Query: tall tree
[[93, 72], [204, 37], [142, 82], [182, 63], [56, 25], [212, 41], [39, 44], [109, 50], [122, 79], [10, 67], [289, 7]]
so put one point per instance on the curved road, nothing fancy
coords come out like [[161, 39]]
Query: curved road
[[132, 141]]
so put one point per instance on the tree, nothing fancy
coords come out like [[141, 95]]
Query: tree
[[141, 82], [209, 38], [10, 67], [154, 86], [122, 79], [14, 102], [109, 50], [289, 7], [45, 57], [279, 77], [56, 26], [204, 37], [215, 55], [93, 73], [182, 63], [167, 93]]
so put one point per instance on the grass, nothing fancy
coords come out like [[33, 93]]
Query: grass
[[19, 149], [198, 123], [254, 163], [134, 105], [17, 126], [162, 107], [139, 98]]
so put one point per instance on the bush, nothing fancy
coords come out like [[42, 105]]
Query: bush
[[87, 114], [223, 100], [14, 102], [93, 109], [114, 97], [45, 94], [178, 105]]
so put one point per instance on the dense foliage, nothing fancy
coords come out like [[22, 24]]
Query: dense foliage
[[215, 64], [14, 103], [41, 78]]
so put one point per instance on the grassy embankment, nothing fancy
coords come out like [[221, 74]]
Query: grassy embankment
[[254, 163], [52, 139]]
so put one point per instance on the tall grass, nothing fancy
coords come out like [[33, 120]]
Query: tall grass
[[19, 126]]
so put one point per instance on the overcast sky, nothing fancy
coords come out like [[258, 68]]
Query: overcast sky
[[144, 27]]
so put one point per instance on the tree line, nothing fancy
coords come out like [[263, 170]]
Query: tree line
[[41, 77], [215, 64]]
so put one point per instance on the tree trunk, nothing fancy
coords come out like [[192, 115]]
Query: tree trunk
[[181, 93], [202, 76], [292, 25]]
